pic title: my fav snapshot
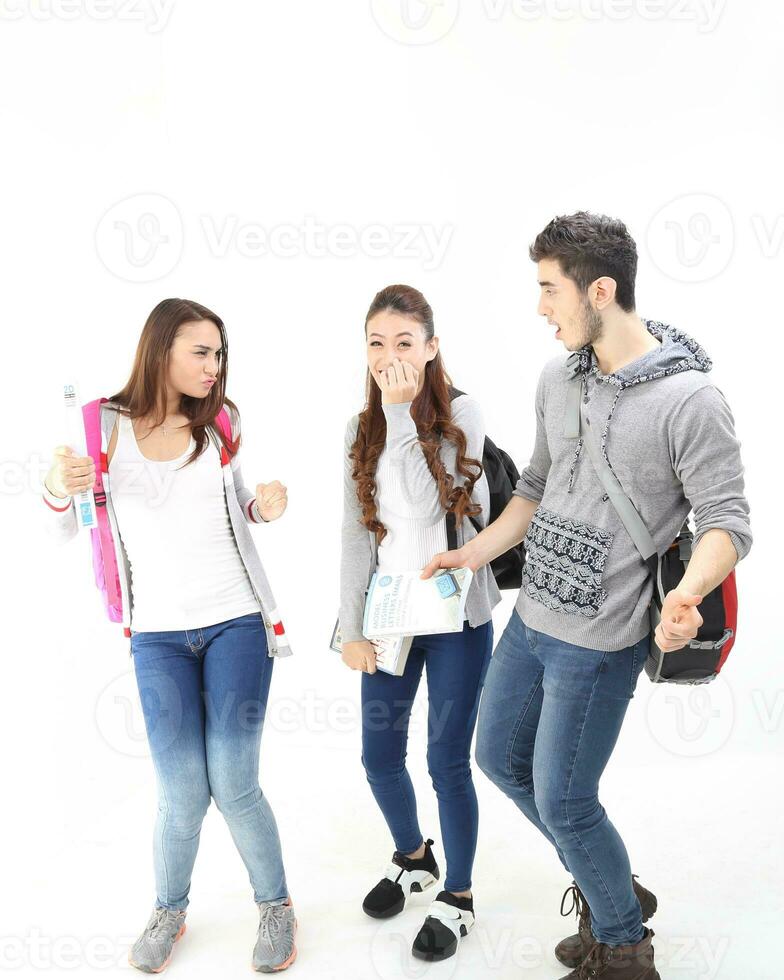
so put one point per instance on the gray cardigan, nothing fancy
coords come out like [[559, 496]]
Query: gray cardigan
[[359, 552]]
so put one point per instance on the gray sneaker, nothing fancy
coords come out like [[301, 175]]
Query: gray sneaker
[[153, 949], [275, 949]]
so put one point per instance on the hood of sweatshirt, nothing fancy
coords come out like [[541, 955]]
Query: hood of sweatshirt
[[676, 352]]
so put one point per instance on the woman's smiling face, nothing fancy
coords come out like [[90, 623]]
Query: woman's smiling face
[[391, 335]]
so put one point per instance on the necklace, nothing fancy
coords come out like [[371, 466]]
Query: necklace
[[165, 429]]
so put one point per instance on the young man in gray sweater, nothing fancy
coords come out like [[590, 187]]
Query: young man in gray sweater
[[565, 669]]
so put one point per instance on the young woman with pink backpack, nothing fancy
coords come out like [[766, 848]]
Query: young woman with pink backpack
[[175, 561]]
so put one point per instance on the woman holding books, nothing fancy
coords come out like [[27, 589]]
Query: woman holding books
[[412, 456], [200, 613]]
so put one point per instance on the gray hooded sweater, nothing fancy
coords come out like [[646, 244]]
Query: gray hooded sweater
[[668, 434]]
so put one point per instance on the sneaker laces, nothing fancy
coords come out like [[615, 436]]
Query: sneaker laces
[[271, 923], [161, 917]]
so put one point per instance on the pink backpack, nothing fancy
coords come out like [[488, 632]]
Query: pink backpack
[[107, 576]]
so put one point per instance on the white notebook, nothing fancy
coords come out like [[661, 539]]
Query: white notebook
[[404, 604]]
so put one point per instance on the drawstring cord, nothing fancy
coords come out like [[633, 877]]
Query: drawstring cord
[[605, 432]]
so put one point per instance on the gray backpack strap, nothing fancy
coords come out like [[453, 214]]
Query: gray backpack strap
[[627, 512], [574, 394]]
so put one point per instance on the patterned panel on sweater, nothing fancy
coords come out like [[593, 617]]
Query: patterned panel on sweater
[[564, 563]]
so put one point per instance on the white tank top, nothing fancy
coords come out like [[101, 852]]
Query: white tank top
[[186, 569]]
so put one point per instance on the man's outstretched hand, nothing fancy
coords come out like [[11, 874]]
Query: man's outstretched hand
[[459, 558]]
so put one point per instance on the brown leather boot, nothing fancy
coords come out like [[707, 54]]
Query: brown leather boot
[[618, 962], [573, 950]]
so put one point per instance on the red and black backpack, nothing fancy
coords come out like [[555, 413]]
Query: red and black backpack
[[706, 654]]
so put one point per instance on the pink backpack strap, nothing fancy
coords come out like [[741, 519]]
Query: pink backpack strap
[[104, 555], [224, 424], [91, 412]]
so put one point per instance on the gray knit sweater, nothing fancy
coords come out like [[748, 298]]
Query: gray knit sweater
[[668, 434], [359, 552]]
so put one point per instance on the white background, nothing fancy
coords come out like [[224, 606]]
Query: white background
[[281, 162]]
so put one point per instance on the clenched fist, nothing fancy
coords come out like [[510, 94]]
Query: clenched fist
[[271, 499]]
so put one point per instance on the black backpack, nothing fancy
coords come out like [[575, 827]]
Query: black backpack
[[502, 477]]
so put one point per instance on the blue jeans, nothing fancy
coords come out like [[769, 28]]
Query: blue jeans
[[550, 716], [456, 664], [204, 696]]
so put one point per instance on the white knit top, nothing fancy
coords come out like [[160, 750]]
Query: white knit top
[[186, 569], [416, 529]]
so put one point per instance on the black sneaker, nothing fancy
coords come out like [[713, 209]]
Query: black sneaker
[[449, 919], [402, 876]]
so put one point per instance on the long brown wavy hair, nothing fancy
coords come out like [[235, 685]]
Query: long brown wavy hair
[[431, 410], [144, 394]]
